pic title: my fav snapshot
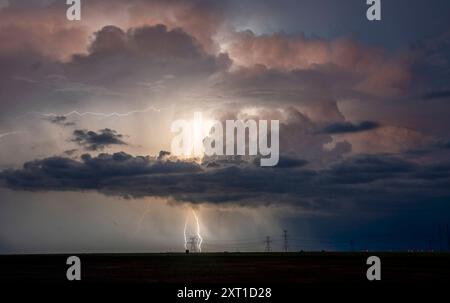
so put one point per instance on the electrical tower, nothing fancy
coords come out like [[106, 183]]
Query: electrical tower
[[267, 242], [285, 241]]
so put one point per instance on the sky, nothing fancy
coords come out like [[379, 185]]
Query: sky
[[86, 109]]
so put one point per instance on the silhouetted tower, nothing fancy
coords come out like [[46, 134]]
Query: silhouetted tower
[[267, 242], [285, 241]]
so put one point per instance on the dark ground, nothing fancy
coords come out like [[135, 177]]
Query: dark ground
[[226, 268]]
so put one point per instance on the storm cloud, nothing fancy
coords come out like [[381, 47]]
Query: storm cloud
[[362, 111], [97, 140], [361, 182], [60, 120]]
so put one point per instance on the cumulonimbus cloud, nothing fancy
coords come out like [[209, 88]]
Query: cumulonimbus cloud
[[370, 70]]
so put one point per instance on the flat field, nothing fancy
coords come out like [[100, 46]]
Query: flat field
[[229, 268]]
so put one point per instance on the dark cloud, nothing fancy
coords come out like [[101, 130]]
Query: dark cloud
[[163, 154], [144, 54], [60, 120], [433, 148], [92, 172], [374, 182], [97, 141], [71, 152], [348, 127], [290, 162], [366, 169]]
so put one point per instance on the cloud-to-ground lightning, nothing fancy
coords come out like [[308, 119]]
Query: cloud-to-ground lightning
[[185, 237], [199, 237], [141, 219]]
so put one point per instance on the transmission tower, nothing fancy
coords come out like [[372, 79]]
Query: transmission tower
[[285, 241], [267, 242]]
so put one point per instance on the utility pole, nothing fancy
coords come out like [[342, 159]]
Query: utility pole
[[267, 242], [285, 241]]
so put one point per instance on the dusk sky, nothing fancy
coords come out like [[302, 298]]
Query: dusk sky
[[86, 109]]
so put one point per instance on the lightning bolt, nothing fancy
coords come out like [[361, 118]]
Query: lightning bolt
[[200, 239], [82, 114], [185, 237], [11, 133], [98, 114], [198, 232], [141, 220]]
